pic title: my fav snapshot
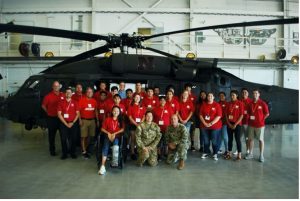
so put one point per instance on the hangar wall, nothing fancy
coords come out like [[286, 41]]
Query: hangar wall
[[118, 16]]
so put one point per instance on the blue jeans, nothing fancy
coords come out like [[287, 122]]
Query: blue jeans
[[224, 138], [188, 126], [106, 145], [211, 135]]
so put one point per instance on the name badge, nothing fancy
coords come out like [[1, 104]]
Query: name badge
[[245, 112], [192, 99], [160, 123], [166, 111], [259, 107], [173, 105], [223, 105], [121, 110], [252, 117], [89, 105], [237, 106], [149, 106], [188, 107], [207, 117], [66, 116], [137, 120], [62, 98], [101, 111], [230, 117], [153, 101], [213, 108]]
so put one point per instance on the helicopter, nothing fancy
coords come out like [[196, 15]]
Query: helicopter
[[25, 105]]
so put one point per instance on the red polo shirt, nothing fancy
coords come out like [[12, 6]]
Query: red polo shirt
[[142, 94], [87, 108], [126, 102], [51, 101], [209, 112], [223, 105], [96, 95], [111, 125], [77, 97], [101, 106], [136, 112], [257, 112], [68, 109], [234, 110], [193, 98], [185, 108], [173, 104], [150, 103], [162, 116], [246, 103]]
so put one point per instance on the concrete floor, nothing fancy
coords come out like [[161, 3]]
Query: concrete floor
[[27, 171]]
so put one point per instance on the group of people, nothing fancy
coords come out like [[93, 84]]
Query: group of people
[[155, 125]]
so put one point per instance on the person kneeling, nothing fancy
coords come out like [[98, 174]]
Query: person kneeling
[[147, 137], [112, 128], [177, 140]]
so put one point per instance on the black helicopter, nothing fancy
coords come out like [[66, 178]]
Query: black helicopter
[[25, 105]]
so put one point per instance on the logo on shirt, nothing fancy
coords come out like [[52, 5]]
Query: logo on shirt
[[213, 108], [259, 107], [166, 111], [236, 106], [188, 107]]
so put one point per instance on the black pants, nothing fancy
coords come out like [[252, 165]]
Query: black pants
[[237, 136], [53, 125], [68, 138]]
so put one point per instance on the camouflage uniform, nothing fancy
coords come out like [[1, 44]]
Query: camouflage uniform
[[178, 136], [147, 135]]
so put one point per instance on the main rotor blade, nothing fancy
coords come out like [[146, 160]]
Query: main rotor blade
[[85, 55], [160, 52], [51, 32], [242, 24]]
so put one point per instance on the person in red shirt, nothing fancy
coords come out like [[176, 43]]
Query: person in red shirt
[[202, 99], [109, 99], [88, 114], [211, 124], [117, 102], [172, 102], [136, 115], [78, 95], [246, 101], [49, 105], [224, 135], [138, 90], [185, 113], [234, 114], [127, 101], [162, 115], [192, 97], [156, 91], [101, 107], [150, 101], [68, 113], [102, 87], [112, 128], [258, 112]]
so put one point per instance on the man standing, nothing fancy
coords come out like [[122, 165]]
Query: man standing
[[246, 101], [77, 96], [49, 105], [177, 141], [68, 113], [122, 91], [258, 111], [88, 114]]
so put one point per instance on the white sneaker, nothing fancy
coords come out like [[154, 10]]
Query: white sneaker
[[249, 156], [102, 170], [235, 153], [215, 157], [261, 159], [204, 156]]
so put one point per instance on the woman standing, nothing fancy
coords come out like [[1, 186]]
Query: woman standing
[[234, 116], [211, 124]]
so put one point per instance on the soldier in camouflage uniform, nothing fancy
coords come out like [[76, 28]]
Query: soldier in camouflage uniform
[[147, 137], [177, 140]]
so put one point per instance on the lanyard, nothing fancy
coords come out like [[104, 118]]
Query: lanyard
[[162, 113], [67, 109], [232, 106], [114, 124], [255, 107]]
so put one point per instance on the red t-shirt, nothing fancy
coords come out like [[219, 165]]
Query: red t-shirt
[[87, 108], [142, 94], [162, 116], [136, 112], [51, 101], [173, 104], [223, 105], [126, 102], [77, 97], [150, 103], [193, 98], [234, 110], [68, 109], [101, 106], [185, 108], [111, 125], [246, 103], [257, 112], [209, 112]]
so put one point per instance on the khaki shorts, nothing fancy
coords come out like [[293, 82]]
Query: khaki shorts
[[258, 133], [88, 128]]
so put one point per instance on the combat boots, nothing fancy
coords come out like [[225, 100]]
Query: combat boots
[[180, 165]]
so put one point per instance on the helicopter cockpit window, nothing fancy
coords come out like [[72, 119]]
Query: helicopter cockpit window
[[34, 84]]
